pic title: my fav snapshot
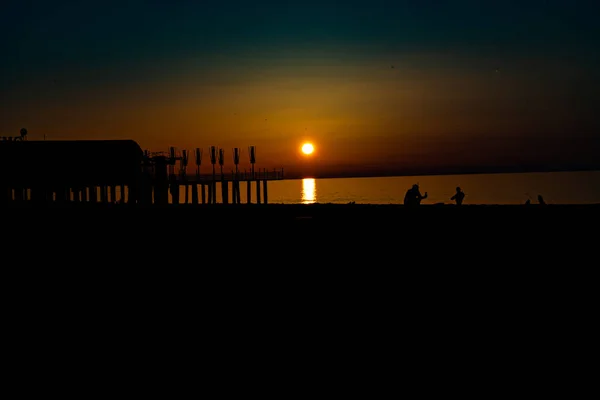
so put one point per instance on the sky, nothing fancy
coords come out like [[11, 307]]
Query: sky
[[377, 86]]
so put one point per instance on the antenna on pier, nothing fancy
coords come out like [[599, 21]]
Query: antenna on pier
[[236, 159], [183, 163], [198, 160], [213, 157], [221, 159], [171, 160], [252, 151]]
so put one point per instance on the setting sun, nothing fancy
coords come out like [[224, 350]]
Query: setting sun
[[307, 148]]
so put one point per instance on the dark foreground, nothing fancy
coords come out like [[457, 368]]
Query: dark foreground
[[247, 223], [487, 277], [327, 240]]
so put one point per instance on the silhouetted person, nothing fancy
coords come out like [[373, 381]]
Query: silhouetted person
[[458, 196], [528, 202], [541, 200], [413, 196]]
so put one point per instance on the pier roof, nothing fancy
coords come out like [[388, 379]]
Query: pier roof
[[70, 161]]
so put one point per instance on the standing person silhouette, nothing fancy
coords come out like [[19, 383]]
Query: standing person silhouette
[[413, 196], [458, 196]]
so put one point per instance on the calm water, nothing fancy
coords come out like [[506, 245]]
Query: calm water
[[556, 187]]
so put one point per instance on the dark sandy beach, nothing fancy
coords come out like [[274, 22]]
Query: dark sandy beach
[[383, 259], [351, 221]]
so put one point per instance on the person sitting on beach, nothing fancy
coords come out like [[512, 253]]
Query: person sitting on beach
[[413, 196], [458, 196], [541, 200]]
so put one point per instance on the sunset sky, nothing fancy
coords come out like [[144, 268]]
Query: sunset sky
[[375, 85]]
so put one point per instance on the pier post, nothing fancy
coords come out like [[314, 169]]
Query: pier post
[[19, 194], [203, 188], [195, 193], [65, 194], [187, 193], [174, 190], [224, 191], [248, 191], [258, 191], [94, 194], [233, 189], [123, 197], [161, 181], [265, 192]]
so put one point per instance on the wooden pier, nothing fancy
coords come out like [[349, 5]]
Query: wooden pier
[[120, 172], [203, 189]]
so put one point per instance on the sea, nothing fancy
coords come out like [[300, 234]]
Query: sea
[[514, 188]]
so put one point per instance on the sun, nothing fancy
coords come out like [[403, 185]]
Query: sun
[[307, 148]]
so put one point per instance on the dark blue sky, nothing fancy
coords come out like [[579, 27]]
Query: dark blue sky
[[49, 32], [88, 46]]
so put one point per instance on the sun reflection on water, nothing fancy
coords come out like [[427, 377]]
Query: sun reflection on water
[[309, 191]]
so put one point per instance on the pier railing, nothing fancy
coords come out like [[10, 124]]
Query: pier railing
[[258, 175]]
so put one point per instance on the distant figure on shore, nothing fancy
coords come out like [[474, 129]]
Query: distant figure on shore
[[458, 196], [413, 196], [528, 202], [541, 200]]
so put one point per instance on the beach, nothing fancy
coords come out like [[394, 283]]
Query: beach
[[252, 221]]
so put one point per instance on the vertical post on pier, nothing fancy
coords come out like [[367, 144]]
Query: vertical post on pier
[[224, 183], [212, 192], [19, 194], [225, 191], [248, 191], [198, 154], [173, 183], [195, 193], [258, 191], [94, 194], [236, 179], [203, 188], [233, 189], [265, 191], [161, 181], [174, 189]]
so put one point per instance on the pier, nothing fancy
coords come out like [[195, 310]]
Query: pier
[[119, 171]]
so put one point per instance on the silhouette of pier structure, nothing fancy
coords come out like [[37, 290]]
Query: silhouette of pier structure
[[169, 174], [119, 171]]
